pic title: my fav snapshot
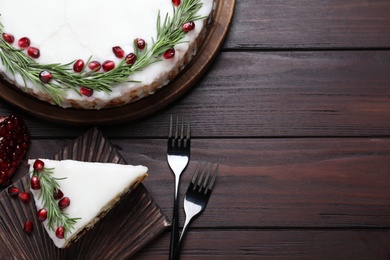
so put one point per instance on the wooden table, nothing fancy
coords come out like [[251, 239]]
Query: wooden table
[[296, 109]]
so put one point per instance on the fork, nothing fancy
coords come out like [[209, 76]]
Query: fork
[[178, 156], [197, 196]]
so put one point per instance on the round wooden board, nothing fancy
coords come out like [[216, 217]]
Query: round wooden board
[[211, 45]]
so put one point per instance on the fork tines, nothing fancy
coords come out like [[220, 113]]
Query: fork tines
[[202, 182], [173, 137]]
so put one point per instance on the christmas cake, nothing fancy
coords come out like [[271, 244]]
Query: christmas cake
[[98, 54], [72, 196]]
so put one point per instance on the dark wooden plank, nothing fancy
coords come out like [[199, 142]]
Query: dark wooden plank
[[271, 94], [293, 24], [276, 244], [270, 183]]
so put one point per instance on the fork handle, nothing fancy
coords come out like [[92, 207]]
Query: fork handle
[[175, 221], [176, 252]]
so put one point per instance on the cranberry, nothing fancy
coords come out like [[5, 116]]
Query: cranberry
[[189, 26], [24, 42], [35, 183], [131, 58], [38, 165], [8, 38], [60, 232], [42, 214], [108, 65], [169, 54], [64, 203], [25, 197], [86, 91], [118, 52], [13, 191], [28, 227], [78, 66], [141, 44]]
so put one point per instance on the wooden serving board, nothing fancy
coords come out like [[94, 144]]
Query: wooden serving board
[[211, 45], [128, 227]]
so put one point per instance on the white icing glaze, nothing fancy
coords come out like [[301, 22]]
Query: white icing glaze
[[67, 30], [89, 186]]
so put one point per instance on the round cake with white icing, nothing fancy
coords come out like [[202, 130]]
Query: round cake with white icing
[[98, 54]]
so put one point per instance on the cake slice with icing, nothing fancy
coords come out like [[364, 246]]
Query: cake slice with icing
[[72, 196]]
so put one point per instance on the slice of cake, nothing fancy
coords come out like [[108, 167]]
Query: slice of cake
[[72, 196], [98, 54]]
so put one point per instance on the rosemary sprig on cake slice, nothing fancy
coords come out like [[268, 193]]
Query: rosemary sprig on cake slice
[[53, 200], [56, 79]]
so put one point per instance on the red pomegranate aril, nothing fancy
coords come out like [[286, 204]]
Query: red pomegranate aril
[[86, 91], [64, 203], [25, 197], [8, 38], [141, 44], [4, 175], [94, 66], [13, 135], [35, 183], [78, 66], [189, 26], [131, 58], [13, 191], [38, 165], [176, 2], [169, 54], [42, 214], [60, 232], [24, 42], [108, 65], [33, 52], [45, 76], [118, 52], [57, 194], [28, 227]]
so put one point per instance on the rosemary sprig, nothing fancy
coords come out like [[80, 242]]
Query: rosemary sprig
[[169, 33], [55, 216]]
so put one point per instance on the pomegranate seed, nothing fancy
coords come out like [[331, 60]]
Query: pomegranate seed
[[141, 44], [38, 165], [45, 76], [33, 52], [60, 232], [169, 54], [35, 183], [25, 197], [64, 203], [28, 227], [24, 42], [3, 175], [78, 66], [118, 52], [42, 214], [176, 2], [8, 38], [13, 191], [94, 66], [131, 58], [86, 91], [13, 146], [189, 26], [57, 194], [108, 65]]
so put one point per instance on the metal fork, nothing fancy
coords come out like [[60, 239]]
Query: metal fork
[[197, 196], [178, 156]]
